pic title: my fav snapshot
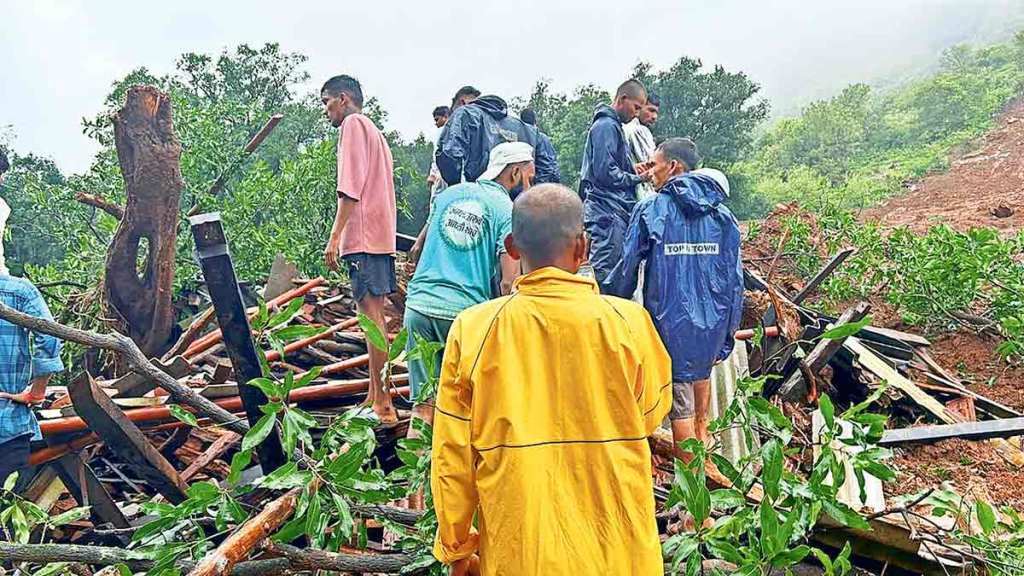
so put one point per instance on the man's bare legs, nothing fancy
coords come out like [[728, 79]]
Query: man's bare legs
[[379, 396], [702, 404], [682, 429], [424, 412]]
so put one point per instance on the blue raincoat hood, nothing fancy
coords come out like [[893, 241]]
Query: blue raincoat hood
[[464, 147], [693, 279], [694, 194]]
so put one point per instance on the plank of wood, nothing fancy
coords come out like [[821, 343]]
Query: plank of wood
[[125, 438], [87, 490], [874, 364], [822, 275], [986, 429], [134, 384], [795, 386], [216, 450], [222, 283]]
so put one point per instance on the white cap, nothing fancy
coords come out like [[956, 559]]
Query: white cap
[[717, 176], [504, 154]]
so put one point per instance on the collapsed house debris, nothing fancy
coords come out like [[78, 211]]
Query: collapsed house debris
[[156, 427]]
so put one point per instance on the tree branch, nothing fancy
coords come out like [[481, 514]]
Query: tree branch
[[101, 203], [312, 559], [137, 362], [108, 556]]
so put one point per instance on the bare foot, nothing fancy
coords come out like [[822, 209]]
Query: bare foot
[[386, 413]]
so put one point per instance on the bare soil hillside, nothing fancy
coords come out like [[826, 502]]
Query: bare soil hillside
[[983, 187]]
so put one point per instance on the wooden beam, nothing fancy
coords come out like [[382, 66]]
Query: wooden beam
[[822, 275], [134, 384], [874, 364], [219, 272], [216, 450], [986, 429], [87, 490], [125, 438], [796, 387]]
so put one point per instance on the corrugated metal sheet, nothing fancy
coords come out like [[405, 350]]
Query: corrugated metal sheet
[[724, 377]]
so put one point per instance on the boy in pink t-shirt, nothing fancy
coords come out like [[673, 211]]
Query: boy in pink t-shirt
[[363, 235]]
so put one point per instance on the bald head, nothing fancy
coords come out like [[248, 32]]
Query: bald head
[[547, 226]]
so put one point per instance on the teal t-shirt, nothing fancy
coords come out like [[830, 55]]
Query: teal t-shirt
[[465, 237]]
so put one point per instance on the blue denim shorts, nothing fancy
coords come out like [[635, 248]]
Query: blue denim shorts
[[371, 274]]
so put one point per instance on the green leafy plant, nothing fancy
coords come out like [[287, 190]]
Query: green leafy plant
[[766, 516]]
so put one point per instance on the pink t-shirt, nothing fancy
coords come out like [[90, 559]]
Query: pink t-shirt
[[365, 174]]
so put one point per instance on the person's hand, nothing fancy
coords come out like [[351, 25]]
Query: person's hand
[[25, 397], [644, 166], [331, 253], [647, 175], [467, 566], [414, 256]]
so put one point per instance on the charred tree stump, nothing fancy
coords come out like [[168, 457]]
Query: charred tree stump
[[149, 152]]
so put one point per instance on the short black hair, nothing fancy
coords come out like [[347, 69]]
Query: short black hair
[[442, 111], [344, 84], [681, 150], [465, 91], [631, 88], [528, 116], [653, 99], [546, 219], [4, 164]]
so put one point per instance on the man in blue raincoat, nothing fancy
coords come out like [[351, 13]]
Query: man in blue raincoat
[[475, 128], [608, 179], [544, 148], [693, 279]]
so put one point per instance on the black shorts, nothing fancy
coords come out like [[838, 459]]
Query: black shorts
[[371, 274], [14, 455]]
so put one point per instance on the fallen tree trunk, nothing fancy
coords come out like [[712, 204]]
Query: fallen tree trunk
[[137, 362], [109, 556], [238, 545], [149, 152]]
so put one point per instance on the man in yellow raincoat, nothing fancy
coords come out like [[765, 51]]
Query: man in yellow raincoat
[[545, 404]]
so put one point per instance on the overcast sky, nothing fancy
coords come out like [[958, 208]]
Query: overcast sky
[[61, 56]]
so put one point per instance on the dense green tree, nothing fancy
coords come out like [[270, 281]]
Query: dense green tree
[[718, 109]]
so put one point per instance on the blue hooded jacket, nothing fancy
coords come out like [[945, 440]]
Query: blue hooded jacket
[[546, 149], [464, 147], [607, 177], [693, 280]]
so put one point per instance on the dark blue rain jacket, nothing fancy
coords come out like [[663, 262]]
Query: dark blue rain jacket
[[545, 149], [474, 129], [608, 188], [693, 279]]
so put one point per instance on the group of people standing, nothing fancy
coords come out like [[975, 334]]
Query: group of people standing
[[552, 377]]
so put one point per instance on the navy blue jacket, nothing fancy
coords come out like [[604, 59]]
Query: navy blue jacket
[[546, 149], [607, 177], [474, 129], [693, 280]]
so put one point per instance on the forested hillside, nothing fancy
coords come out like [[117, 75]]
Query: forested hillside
[[850, 151]]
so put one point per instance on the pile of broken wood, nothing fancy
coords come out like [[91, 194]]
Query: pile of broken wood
[[924, 402], [112, 444]]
